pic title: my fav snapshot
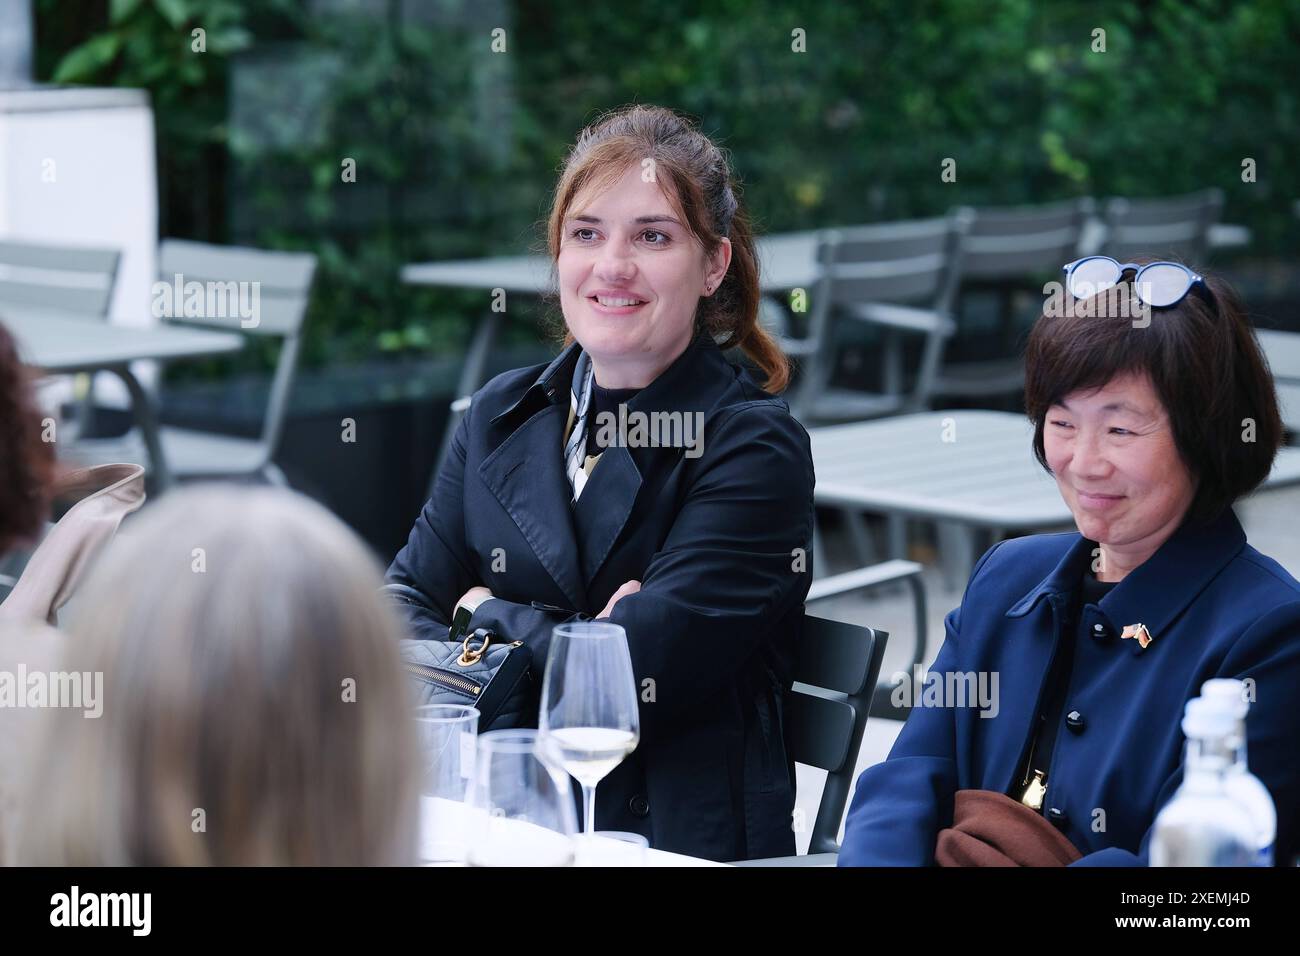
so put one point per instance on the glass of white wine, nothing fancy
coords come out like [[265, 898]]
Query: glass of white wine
[[589, 720]]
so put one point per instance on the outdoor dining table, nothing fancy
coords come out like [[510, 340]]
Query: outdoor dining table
[[972, 469], [1282, 349], [518, 841], [58, 342]]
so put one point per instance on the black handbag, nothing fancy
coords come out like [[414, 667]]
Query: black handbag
[[484, 671]]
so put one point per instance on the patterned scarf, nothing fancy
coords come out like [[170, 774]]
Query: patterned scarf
[[575, 449]]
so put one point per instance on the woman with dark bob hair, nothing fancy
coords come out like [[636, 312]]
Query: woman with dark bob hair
[[1152, 427], [697, 546]]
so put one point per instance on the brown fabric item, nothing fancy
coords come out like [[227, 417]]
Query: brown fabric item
[[992, 829], [104, 495]]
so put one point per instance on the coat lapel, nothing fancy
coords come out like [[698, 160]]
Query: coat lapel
[[605, 506], [526, 474]]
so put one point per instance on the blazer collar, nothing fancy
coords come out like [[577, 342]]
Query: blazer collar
[[1159, 589], [551, 387], [526, 472], [691, 383]]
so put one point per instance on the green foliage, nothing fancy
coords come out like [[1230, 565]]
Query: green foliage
[[456, 147]]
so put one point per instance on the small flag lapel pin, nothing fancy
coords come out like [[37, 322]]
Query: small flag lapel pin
[[1140, 632]]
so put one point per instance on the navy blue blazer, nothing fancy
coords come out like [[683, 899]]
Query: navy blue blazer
[[721, 544], [1215, 607]]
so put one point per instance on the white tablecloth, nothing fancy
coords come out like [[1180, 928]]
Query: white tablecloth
[[524, 839]]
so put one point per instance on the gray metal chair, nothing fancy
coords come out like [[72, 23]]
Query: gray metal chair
[[73, 279], [900, 277], [895, 570], [835, 679], [66, 278], [1172, 227], [1010, 251], [284, 287]]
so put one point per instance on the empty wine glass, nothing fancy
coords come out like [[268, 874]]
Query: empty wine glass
[[520, 807]]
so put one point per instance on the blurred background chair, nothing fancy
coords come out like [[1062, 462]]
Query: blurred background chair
[[1171, 227], [57, 277], [75, 280], [1008, 253], [284, 286], [898, 277]]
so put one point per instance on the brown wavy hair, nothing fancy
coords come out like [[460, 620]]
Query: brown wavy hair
[[26, 462], [696, 178]]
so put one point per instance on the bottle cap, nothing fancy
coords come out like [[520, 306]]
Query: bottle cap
[[1229, 692], [1207, 718]]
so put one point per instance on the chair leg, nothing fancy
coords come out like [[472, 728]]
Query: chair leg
[[273, 475], [958, 553], [820, 567], [922, 627], [864, 546], [897, 525]]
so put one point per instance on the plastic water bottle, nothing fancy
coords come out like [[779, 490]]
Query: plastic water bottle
[[1204, 825], [1243, 785]]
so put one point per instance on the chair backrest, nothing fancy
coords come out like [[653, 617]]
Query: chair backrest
[[914, 262], [835, 678], [1173, 227], [57, 277], [1013, 242], [234, 278]]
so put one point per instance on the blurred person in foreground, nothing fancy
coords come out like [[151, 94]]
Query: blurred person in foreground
[[254, 709]]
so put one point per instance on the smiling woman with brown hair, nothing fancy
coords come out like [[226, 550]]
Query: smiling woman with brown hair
[[701, 552]]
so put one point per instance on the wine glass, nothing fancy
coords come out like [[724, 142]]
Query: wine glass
[[519, 807], [589, 720]]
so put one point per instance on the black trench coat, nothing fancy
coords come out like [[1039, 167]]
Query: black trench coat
[[721, 543]]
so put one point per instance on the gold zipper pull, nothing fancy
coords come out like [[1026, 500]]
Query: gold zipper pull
[[1035, 791]]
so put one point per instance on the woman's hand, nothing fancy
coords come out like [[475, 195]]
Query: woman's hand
[[474, 596], [630, 587]]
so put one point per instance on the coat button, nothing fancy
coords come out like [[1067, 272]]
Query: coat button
[[639, 806], [1100, 632], [1074, 720], [1058, 818]]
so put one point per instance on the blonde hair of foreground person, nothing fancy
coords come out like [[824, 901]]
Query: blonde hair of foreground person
[[228, 734]]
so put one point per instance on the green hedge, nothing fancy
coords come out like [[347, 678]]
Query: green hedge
[[457, 146]]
